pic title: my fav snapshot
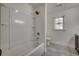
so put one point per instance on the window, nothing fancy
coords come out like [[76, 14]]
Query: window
[[58, 23]]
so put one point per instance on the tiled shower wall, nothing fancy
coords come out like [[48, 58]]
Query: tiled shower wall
[[70, 12], [40, 23]]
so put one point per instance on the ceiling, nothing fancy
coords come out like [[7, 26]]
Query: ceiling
[[53, 7], [35, 5]]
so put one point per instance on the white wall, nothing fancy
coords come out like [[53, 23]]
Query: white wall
[[19, 38], [71, 23]]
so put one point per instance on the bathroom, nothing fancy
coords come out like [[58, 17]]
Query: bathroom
[[28, 29]]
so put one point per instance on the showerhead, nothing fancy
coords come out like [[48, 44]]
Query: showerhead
[[36, 12]]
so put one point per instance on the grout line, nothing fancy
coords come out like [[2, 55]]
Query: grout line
[[45, 25], [10, 16]]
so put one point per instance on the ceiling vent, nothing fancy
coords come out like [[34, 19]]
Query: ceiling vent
[[59, 4]]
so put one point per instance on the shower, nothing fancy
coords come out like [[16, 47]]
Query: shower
[[39, 29]]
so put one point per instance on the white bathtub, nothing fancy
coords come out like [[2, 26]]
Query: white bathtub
[[38, 51]]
